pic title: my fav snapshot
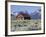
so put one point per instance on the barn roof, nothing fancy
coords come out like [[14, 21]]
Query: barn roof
[[24, 14]]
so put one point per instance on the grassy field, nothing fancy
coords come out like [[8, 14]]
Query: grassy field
[[25, 25]]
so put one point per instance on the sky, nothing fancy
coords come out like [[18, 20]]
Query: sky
[[17, 8]]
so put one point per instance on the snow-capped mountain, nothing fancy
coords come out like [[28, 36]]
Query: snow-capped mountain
[[36, 15]]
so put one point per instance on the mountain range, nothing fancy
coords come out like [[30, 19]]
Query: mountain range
[[34, 15]]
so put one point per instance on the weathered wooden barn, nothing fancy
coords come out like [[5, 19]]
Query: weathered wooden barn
[[23, 16]]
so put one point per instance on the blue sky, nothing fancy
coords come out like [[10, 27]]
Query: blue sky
[[29, 9]]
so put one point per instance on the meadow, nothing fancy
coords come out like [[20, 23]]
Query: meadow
[[25, 25]]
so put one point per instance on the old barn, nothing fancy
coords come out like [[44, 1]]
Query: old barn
[[23, 16]]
